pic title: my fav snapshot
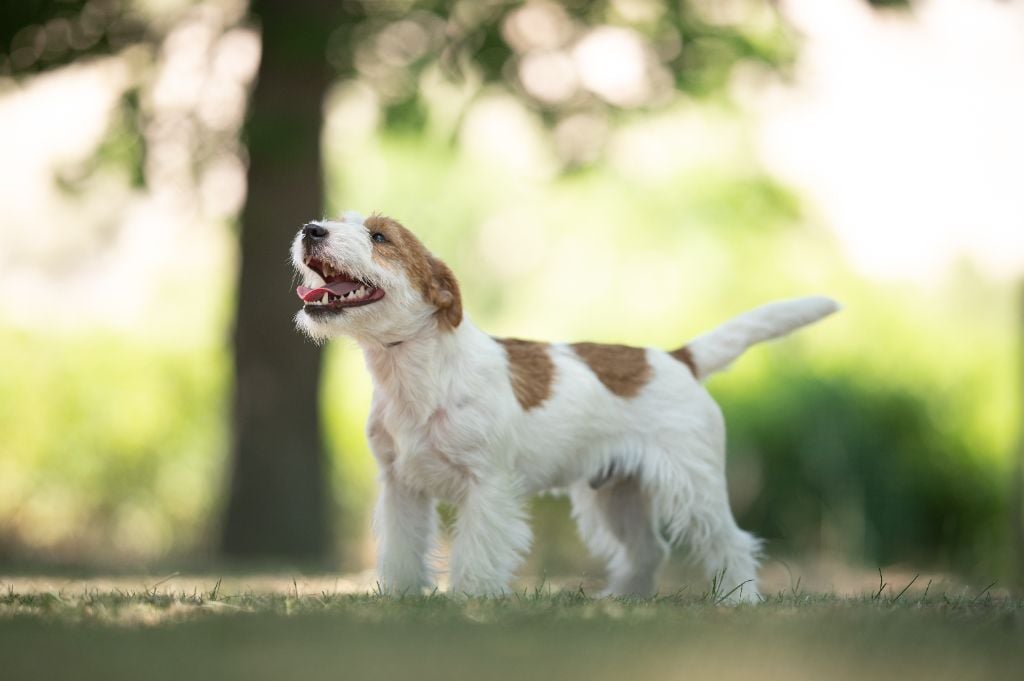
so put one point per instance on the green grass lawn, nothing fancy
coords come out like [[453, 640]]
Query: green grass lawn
[[291, 633]]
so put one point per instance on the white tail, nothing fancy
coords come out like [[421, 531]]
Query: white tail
[[718, 348]]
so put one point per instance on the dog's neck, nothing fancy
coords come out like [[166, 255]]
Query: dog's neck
[[421, 371]]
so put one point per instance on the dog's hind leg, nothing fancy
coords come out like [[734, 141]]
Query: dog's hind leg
[[729, 555], [692, 502], [591, 525], [616, 523]]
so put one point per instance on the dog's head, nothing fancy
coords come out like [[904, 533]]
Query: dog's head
[[372, 279]]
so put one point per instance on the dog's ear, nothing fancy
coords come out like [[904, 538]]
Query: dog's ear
[[444, 293]]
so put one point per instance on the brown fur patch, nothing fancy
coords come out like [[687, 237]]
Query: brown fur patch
[[622, 369], [684, 355], [531, 370], [429, 275]]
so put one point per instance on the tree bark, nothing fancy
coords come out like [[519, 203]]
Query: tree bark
[[277, 507], [1017, 494]]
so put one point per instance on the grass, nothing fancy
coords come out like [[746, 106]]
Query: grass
[[289, 632]]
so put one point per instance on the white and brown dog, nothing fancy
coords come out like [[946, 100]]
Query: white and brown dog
[[485, 422]]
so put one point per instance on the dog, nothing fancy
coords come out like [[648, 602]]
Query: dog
[[484, 423]]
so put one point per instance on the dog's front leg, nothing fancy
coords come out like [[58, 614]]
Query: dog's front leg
[[491, 536], [404, 523]]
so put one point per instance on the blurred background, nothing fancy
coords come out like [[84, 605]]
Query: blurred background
[[157, 409]]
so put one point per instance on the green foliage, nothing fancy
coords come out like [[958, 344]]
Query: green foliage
[[111, 449], [849, 464], [390, 46]]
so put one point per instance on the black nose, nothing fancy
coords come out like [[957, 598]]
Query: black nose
[[313, 232]]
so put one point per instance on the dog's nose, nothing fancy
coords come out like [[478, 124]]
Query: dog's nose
[[313, 232]]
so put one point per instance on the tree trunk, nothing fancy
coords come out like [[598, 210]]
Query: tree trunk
[[1017, 496], [277, 507]]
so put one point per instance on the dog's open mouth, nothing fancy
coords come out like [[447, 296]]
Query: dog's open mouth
[[340, 290]]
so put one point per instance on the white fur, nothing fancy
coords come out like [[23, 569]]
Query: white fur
[[717, 349], [445, 424]]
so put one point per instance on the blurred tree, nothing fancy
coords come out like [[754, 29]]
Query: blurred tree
[[1017, 484], [897, 4], [277, 502]]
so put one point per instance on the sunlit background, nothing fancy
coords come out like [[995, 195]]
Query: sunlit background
[[601, 176]]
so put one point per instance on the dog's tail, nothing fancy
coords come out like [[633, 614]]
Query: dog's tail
[[717, 349]]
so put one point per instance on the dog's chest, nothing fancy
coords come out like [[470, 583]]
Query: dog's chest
[[437, 451]]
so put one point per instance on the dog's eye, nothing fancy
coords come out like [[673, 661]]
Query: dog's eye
[[379, 238]]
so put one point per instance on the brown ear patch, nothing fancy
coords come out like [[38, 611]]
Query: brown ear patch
[[684, 355], [622, 369], [444, 293], [431, 277], [531, 371]]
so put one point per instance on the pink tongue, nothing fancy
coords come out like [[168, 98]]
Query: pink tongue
[[338, 288]]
